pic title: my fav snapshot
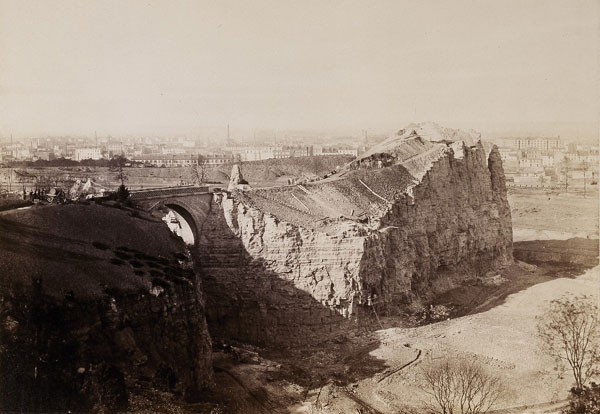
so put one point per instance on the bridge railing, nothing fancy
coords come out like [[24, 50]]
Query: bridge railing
[[168, 191]]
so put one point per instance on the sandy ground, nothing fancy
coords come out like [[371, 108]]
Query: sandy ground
[[539, 215], [503, 339]]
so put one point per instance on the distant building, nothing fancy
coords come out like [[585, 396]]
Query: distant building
[[543, 144], [510, 160], [530, 163], [219, 158], [548, 160], [91, 153], [336, 150], [509, 156], [162, 160], [114, 149], [265, 152], [580, 157], [43, 155], [291, 151], [22, 153]]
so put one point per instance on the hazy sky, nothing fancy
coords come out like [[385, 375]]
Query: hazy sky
[[141, 66]]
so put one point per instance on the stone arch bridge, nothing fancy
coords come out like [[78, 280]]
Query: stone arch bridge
[[191, 202]]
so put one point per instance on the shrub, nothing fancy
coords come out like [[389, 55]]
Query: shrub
[[122, 193], [569, 333], [585, 400], [460, 387]]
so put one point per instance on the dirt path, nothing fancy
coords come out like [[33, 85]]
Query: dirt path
[[391, 372], [363, 404], [261, 404], [545, 408]]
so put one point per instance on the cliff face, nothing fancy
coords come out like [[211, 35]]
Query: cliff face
[[268, 281], [455, 226], [86, 324], [294, 264]]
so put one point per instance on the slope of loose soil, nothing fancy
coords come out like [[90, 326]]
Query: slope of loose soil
[[83, 248], [89, 288]]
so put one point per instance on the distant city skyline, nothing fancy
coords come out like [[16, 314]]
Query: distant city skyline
[[511, 68]]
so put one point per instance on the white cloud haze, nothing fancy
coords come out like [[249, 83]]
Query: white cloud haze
[[140, 66]]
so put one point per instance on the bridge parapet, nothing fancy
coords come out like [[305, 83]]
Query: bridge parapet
[[163, 192]]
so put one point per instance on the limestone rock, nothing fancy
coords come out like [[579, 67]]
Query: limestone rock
[[296, 263], [236, 180]]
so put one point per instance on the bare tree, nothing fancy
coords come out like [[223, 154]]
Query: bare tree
[[44, 181], [194, 174], [585, 168], [317, 164], [116, 164], [569, 333], [198, 171], [566, 171], [461, 387]]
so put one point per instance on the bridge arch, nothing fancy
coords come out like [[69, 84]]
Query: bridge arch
[[184, 210]]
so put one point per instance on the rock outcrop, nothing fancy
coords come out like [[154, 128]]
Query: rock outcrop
[[411, 218], [236, 180], [85, 325]]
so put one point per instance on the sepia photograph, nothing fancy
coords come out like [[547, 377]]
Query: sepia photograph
[[299, 206]]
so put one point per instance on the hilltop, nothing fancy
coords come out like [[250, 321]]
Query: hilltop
[[93, 301]]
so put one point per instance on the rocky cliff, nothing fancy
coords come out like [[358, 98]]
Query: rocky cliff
[[411, 218], [96, 307]]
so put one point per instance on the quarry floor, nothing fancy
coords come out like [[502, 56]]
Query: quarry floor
[[378, 370]]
